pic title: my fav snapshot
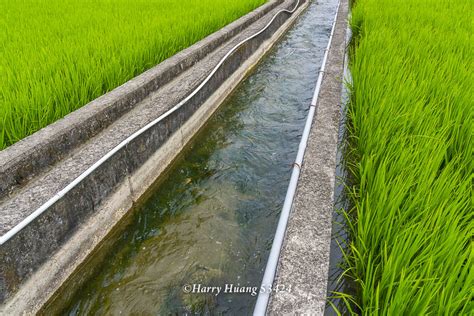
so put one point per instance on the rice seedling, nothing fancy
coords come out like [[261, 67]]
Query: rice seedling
[[57, 55], [410, 155]]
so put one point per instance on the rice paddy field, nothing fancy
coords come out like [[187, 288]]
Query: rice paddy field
[[57, 55], [409, 151]]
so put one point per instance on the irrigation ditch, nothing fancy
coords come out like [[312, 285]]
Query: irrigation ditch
[[154, 181]]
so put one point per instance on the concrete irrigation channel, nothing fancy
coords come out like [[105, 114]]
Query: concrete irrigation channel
[[85, 206]]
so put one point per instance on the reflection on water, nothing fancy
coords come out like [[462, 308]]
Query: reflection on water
[[212, 220]]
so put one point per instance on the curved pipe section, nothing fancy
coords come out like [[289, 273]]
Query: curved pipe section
[[272, 263], [75, 182]]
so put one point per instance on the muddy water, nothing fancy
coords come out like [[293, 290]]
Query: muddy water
[[211, 220]]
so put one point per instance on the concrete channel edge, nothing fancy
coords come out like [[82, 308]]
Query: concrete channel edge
[[303, 265]]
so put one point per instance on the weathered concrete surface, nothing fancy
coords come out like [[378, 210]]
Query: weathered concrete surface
[[30, 156], [102, 200], [304, 262]]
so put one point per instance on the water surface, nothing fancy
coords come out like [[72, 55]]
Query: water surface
[[212, 220]]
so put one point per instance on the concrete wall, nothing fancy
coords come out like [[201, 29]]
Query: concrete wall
[[303, 265]]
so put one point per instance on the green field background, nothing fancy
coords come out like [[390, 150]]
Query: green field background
[[411, 158], [57, 55]]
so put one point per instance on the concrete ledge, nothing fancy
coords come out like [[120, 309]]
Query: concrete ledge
[[28, 157], [38, 260], [304, 261]]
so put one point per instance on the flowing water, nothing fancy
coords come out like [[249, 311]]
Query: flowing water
[[212, 219]]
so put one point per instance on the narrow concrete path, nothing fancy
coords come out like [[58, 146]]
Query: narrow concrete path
[[304, 261]]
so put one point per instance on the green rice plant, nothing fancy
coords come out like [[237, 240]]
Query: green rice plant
[[410, 150], [57, 55]]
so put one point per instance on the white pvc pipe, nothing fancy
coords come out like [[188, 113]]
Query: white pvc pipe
[[75, 182], [272, 263]]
